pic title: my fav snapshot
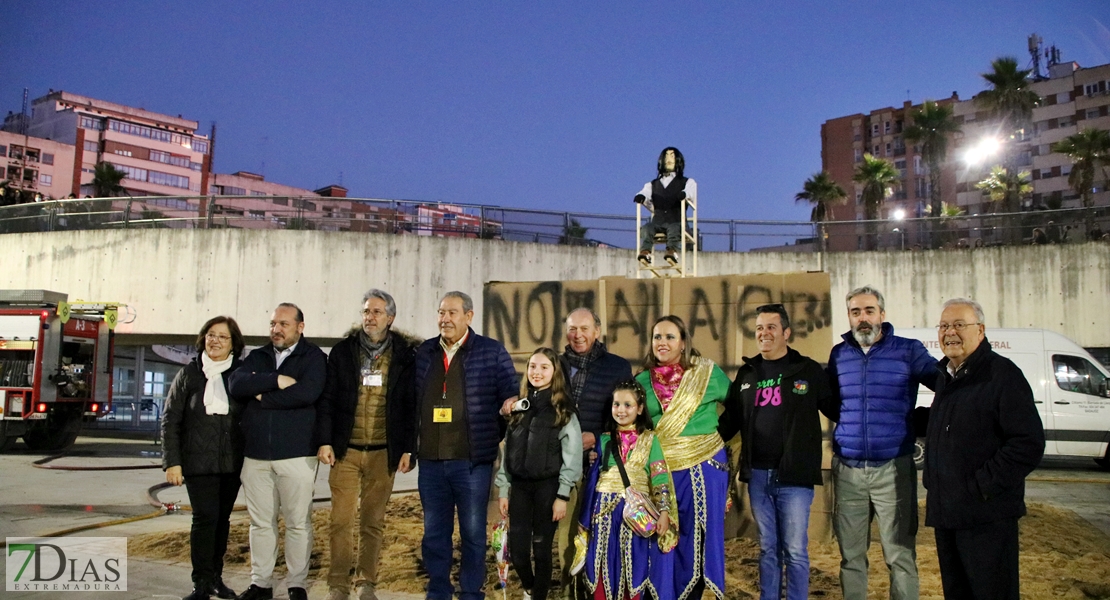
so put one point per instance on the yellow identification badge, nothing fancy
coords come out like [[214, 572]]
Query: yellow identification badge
[[441, 414]]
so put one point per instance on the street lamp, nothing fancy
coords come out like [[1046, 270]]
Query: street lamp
[[899, 215], [979, 153]]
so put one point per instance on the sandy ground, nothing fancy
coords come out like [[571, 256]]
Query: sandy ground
[[1061, 557]]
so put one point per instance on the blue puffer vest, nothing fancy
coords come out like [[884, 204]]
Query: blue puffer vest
[[878, 391], [489, 379]]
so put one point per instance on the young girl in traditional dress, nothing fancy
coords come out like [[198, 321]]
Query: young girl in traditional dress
[[617, 559], [540, 463]]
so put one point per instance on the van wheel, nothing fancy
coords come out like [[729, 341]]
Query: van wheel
[[919, 453]]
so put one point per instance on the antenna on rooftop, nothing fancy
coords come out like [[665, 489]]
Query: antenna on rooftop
[[1035, 44], [25, 118], [1053, 55], [341, 178]]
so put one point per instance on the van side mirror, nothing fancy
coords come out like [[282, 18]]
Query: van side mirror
[[1104, 388]]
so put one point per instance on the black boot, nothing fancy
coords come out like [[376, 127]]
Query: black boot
[[220, 590], [201, 591]]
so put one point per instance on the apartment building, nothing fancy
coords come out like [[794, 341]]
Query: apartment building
[[36, 165], [881, 133], [1072, 99], [161, 155]]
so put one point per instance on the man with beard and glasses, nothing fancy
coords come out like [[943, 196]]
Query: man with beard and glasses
[[876, 376]]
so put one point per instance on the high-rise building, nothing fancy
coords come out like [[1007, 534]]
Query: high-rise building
[[161, 155], [1072, 99], [880, 133]]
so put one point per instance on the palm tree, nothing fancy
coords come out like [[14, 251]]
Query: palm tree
[[931, 127], [106, 180], [1008, 190], [1010, 97], [1087, 150], [878, 177], [574, 233], [822, 192]]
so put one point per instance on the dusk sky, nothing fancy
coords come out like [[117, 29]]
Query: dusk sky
[[547, 105]]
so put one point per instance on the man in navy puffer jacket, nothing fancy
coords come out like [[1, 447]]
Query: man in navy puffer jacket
[[463, 382], [876, 375]]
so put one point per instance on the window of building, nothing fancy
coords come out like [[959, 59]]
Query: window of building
[[46, 180], [917, 168], [230, 190], [133, 173], [13, 173], [1063, 97], [1092, 89], [92, 146], [257, 193], [16, 152], [257, 214], [122, 152], [875, 129], [29, 175], [858, 154], [886, 127], [898, 126], [47, 158], [859, 198], [888, 149], [875, 151], [32, 154], [92, 123], [3, 151], [1076, 374], [1093, 113], [281, 201], [1065, 121], [159, 178], [170, 159], [194, 166]]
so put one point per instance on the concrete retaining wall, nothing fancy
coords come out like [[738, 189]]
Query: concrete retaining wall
[[175, 279]]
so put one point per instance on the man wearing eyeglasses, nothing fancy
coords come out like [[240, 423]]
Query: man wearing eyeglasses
[[984, 438], [285, 379], [876, 375], [366, 428]]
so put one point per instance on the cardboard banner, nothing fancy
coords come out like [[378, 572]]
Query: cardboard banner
[[719, 313]]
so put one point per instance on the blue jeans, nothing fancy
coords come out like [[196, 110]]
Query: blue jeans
[[782, 513], [447, 485]]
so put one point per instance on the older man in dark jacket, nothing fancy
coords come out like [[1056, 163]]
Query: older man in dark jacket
[[984, 437], [463, 381], [366, 428], [284, 379]]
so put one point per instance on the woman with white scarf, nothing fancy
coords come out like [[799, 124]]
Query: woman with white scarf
[[202, 447]]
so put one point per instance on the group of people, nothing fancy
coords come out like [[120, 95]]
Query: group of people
[[579, 429]]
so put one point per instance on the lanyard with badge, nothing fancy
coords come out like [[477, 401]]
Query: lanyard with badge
[[371, 374], [442, 413]]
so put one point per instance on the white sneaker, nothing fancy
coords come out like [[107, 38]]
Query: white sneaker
[[527, 596], [367, 593], [337, 595]]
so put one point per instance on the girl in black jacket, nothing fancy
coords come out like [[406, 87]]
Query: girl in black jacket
[[202, 447]]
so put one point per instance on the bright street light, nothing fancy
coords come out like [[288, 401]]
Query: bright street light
[[980, 152], [898, 214]]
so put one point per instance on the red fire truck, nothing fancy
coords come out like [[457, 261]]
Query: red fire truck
[[55, 366]]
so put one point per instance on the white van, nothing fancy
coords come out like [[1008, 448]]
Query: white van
[[1069, 388]]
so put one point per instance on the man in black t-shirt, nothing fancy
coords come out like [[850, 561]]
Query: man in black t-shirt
[[774, 403]]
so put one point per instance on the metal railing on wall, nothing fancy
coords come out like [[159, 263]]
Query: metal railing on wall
[[404, 217]]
